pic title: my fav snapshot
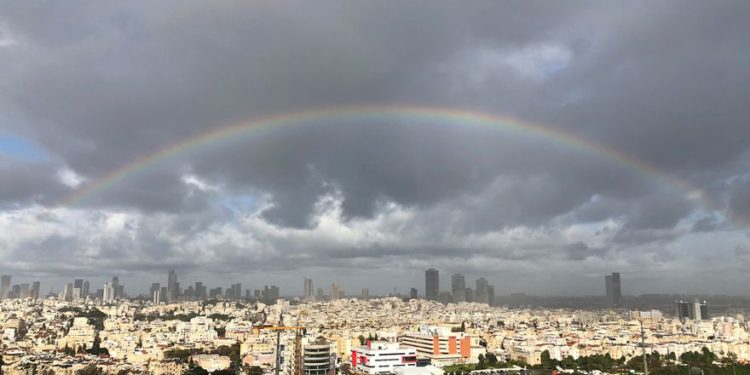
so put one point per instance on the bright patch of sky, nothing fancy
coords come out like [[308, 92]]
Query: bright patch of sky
[[20, 148], [535, 61]]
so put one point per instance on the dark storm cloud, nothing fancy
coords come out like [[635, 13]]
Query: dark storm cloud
[[101, 85], [25, 182]]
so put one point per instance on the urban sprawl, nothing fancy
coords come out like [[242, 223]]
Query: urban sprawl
[[196, 330]]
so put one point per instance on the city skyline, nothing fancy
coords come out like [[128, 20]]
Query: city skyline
[[483, 292]]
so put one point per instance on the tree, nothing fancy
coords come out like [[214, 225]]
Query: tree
[[91, 369], [491, 359], [361, 339], [96, 348], [482, 363], [545, 360], [255, 370], [195, 370]]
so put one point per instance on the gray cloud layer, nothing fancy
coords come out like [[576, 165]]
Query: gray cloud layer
[[99, 85]]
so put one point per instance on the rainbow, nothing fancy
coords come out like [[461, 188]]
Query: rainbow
[[383, 113]]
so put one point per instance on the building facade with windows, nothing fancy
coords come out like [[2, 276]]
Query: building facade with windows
[[383, 357]]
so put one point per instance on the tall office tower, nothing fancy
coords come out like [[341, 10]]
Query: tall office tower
[[309, 289], [34, 290], [154, 287], [432, 284], [703, 310], [163, 293], [481, 294], [256, 295], [115, 284], [107, 293], [237, 290], [321, 294], [491, 295], [76, 293], [200, 290], [68, 292], [78, 283], [171, 286], [274, 293], [335, 291], [458, 288], [15, 291], [613, 289], [4, 286], [365, 293], [155, 296], [413, 293], [85, 291]]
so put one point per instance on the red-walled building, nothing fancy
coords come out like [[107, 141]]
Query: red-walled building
[[439, 346]]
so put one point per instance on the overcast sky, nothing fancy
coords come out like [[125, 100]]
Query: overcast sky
[[89, 87]]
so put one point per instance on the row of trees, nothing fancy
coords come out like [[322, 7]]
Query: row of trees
[[703, 362]]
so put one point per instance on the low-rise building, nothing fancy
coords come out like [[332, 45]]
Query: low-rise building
[[382, 357]]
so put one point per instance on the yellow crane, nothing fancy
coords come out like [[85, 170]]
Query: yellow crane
[[298, 331]]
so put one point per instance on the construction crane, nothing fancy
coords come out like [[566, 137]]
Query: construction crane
[[298, 331]]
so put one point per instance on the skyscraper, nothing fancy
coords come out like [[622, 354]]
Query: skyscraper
[[458, 288], [154, 287], [270, 295], [4, 286], [155, 296], [34, 290], [85, 290], [171, 286], [413, 293], [695, 310], [200, 290], [481, 292], [365, 293], [432, 284], [237, 290], [67, 294], [77, 289], [335, 291], [108, 292], [613, 289], [309, 289]]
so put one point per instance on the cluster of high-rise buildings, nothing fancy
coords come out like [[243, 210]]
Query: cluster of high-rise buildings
[[695, 310], [24, 290], [483, 292], [336, 292], [80, 289], [173, 291]]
